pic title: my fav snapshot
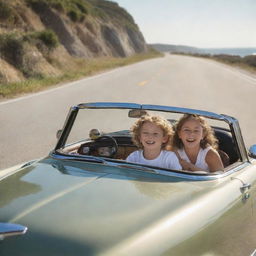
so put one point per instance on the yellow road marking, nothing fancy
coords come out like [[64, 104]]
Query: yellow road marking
[[142, 83]]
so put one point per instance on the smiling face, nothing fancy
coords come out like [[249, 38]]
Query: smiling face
[[191, 133], [152, 136]]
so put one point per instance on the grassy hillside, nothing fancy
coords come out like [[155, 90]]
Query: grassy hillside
[[77, 10], [44, 42], [82, 68]]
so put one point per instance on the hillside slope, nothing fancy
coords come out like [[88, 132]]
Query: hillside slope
[[43, 37]]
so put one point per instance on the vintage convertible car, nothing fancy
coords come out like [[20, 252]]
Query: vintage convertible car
[[86, 199]]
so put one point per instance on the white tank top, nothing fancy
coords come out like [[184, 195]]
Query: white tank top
[[166, 159], [200, 160]]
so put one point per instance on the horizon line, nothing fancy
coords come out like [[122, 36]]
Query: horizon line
[[209, 47]]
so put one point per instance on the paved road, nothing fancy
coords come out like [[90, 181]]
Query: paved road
[[28, 124]]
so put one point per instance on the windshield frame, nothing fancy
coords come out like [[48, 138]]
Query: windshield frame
[[232, 123]]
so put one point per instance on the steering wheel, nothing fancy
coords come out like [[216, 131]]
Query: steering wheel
[[105, 146]]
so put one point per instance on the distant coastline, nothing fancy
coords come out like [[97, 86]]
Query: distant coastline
[[231, 51], [240, 51]]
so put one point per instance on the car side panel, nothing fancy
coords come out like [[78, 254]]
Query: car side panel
[[218, 223], [233, 233]]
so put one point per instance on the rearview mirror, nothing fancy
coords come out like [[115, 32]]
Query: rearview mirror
[[136, 113]]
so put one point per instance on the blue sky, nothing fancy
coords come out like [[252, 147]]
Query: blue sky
[[199, 23]]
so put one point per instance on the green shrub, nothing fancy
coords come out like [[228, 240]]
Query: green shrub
[[37, 5], [5, 11], [12, 49], [228, 58], [110, 10], [49, 38], [81, 7], [59, 6], [73, 15], [74, 9], [44, 40], [250, 60]]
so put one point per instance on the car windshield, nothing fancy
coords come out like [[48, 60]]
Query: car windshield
[[105, 132], [104, 120], [108, 121]]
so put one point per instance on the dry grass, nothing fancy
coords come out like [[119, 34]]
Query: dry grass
[[79, 69], [247, 63]]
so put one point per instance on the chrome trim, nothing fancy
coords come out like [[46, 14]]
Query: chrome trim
[[109, 105], [253, 253], [11, 229], [172, 173], [102, 105], [70, 119], [28, 163], [183, 111], [191, 176], [232, 122], [239, 140], [14, 169], [63, 156]]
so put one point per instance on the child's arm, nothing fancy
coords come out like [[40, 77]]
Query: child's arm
[[214, 161], [189, 166]]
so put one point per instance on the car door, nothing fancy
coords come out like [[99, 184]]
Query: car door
[[233, 232]]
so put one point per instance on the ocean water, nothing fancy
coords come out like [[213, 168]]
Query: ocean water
[[230, 51], [188, 49]]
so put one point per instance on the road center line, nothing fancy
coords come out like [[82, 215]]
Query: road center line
[[143, 83]]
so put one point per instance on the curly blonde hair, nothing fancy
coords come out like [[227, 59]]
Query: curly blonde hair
[[209, 137], [159, 121]]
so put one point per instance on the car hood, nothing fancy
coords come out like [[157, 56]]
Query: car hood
[[79, 208]]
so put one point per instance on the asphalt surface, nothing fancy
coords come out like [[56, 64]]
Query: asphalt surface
[[28, 124]]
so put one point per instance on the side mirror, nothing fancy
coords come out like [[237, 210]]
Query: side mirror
[[11, 229], [58, 134], [252, 151]]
